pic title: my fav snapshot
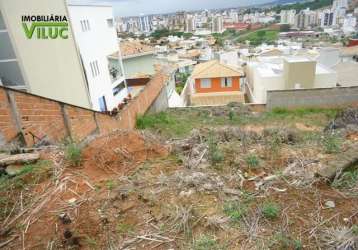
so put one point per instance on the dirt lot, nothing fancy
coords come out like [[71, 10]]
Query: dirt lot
[[222, 178]]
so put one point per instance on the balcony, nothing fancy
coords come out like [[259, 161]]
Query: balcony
[[115, 70]]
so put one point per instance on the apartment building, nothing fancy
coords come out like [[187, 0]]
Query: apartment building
[[218, 24], [287, 17], [36, 63], [61, 52], [95, 36]]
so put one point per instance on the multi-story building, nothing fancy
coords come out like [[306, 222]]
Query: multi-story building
[[190, 25], [217, 24], [288, 16], [37, 62], [326, 17], [68, 59], [305, 19], [96, 39], [144, 24], [349, 24]]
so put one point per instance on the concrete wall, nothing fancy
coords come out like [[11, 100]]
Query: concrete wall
[[27, 119], [50, 67], [161, 102], [315, 98]]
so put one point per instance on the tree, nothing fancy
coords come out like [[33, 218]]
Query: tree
[[261, 33]]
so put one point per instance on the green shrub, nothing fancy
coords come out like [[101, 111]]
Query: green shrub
[[283, 241], [332, 144], [348, 179], [252, 161], [231, 115], [215, 155], [124, 228], [152, 120], [270, 210], [355, 230], [73, 154], [235, 210], [206, 242]]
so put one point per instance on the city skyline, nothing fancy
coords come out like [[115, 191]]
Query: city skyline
[[125, 8]]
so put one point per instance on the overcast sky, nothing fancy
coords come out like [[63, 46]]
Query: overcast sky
[[137, 7]]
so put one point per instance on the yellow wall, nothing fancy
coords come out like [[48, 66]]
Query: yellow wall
[[302, 73]]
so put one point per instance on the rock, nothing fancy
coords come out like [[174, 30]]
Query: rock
[[330, 204], [13, 170], [65, 219], [19, 159]]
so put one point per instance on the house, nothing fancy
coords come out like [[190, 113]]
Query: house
[[214, 83], [93, 25], [287, 72]]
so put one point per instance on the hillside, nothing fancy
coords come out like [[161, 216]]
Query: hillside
[[194, 178], [312, 5]]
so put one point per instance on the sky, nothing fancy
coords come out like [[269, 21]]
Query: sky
[[137, 7]]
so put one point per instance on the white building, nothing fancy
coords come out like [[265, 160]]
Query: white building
[[218, 24], [349, 24], [279, 73], [190, 25], [144, 24], [326, 18], [48, 67], [96, 39]]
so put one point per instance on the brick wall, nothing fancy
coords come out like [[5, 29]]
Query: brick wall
[[313, 98], [29, 119]]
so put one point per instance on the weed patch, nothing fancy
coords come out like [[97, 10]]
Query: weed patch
[[73, 154], [270, 210]]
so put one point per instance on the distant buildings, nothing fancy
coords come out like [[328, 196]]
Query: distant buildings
[[326, 18], [144, 24], [305, 19], [218, 24], [287, 17], [190, 25]]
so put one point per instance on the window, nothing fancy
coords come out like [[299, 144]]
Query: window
[[94, 68], [110, 22], [226, 82], [85, 26], [118, 88], [205, 83], [102, 103]]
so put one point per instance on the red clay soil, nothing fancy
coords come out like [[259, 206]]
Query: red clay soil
[[105, 158]]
